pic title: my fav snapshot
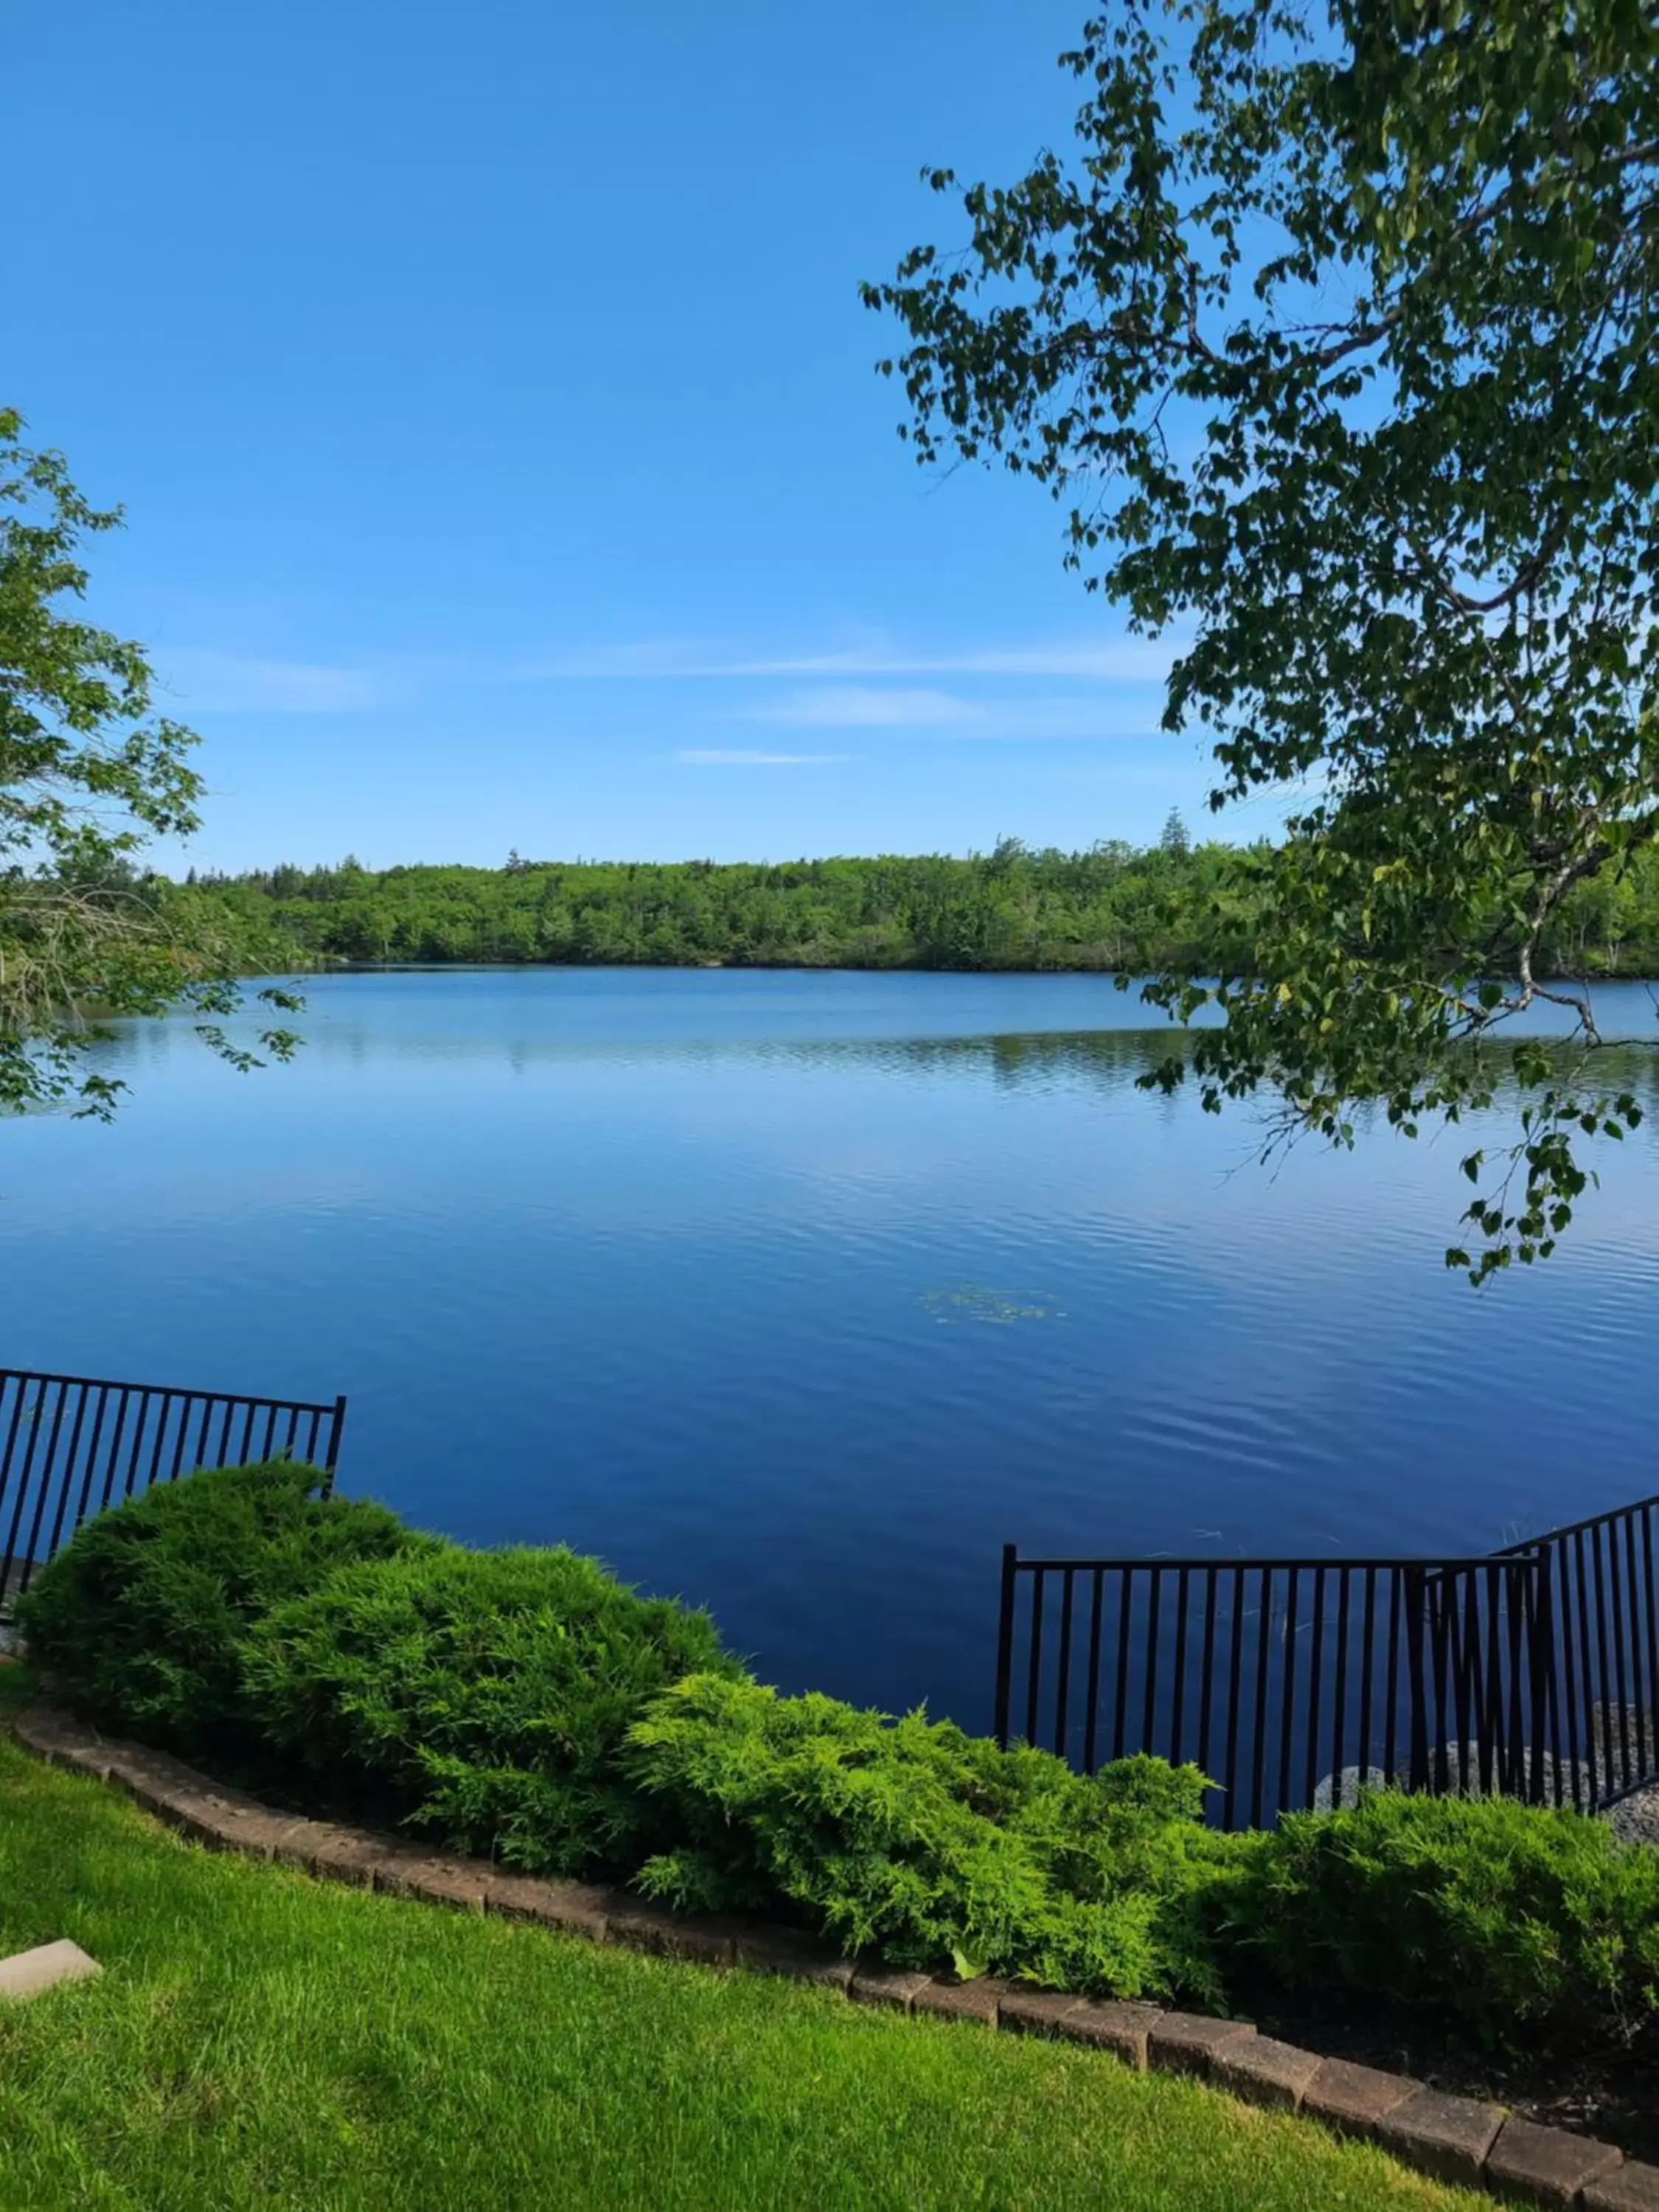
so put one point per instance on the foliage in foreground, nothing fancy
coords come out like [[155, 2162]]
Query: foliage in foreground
[[1514, 1923], [1496, 1923], [259, 2039], [88, 774], [525, 1704], [922, 1844], [1336, 339], [484, 1695], [142, 1616]]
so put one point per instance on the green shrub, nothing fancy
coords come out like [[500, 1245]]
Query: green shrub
[[525, 1704], [912, 1839], [484, 1695], [1513, 1923], [140, 1616]]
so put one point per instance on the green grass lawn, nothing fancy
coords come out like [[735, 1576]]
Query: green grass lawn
[[259, 2038]]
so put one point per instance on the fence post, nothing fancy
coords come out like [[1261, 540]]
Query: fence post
[[1005, 1645], [1509, 1657], [334, 1426]]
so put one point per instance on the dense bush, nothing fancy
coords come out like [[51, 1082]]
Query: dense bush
[[910, 1838], [484, 1695], [1513, 1923], [525, 1704], [140, 1617]]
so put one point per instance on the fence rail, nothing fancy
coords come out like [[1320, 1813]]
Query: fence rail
[[1600, 1625], [1532, 1672], [71, 1444]]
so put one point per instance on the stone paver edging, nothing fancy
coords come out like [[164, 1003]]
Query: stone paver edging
[[1454, 2138]]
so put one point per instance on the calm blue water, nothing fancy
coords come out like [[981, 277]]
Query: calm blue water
[[800, 1294]]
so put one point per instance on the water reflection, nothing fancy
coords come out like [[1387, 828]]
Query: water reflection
[[1103, 1059]]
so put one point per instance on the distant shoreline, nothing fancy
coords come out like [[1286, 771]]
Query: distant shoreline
[[1173, 908], [325, 963]]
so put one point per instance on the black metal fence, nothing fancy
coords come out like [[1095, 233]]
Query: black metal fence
[[70, 1445], [1598, 1627], [1532, 1672]]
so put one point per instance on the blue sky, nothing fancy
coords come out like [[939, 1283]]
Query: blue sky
[[494, 409]]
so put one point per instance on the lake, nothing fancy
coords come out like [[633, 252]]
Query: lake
[[800, 1294]]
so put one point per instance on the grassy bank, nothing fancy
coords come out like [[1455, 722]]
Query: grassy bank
[[260, 2038]]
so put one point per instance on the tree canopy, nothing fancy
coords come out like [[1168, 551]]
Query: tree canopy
[[1335, 340], [88, 774], [1113, 908]]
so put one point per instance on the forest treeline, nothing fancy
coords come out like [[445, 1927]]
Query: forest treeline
[[1113, 906]]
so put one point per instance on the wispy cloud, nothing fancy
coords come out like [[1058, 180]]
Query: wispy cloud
[[1113, 660], [201, 680], [1004, 721], [207, 682], [1120, 660], [857, 707], [697, 757]]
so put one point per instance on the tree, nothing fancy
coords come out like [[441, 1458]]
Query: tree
[[1175, 840], [88, 774], [1351, 369]]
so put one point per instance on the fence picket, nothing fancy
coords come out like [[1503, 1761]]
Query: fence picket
[[1532, 1672], [49, 1499]]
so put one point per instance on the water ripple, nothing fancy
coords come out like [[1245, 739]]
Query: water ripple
[[802, 1295]]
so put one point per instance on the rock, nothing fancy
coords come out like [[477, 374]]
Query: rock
[[1353, 1779], [1614, 1727], [1463, 1776], [1635, 1818], [1463, 1773]]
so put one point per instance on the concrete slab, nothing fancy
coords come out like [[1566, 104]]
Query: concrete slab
[[29, 1972]]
